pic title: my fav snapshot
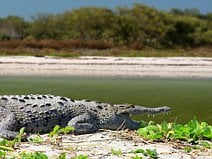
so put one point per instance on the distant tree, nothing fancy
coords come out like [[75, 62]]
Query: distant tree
[[151, 24], [188, 12], [139, 24], [46, 26], [180, 34], [13, 27], [89, 23]]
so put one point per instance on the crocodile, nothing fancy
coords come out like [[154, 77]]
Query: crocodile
[[40, 113]]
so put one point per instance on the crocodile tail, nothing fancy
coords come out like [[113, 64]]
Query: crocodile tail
[[139, 110]]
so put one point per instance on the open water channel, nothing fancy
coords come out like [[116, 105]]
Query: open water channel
[[187, 97]]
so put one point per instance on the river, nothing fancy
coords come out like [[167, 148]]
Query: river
[[186, 97]]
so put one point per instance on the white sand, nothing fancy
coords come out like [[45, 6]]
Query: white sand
[[107, 66], [100, 145]]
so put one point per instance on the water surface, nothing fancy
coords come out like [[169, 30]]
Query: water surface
[[187, 97]]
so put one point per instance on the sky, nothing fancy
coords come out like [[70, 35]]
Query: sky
[[28, 8]]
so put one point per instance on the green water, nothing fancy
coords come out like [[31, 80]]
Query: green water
[[187, 97]]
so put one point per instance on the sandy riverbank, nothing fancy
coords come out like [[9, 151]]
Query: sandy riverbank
[[187, 67], [110, 145]]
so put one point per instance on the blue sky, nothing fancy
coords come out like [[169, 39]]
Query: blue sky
[[27, 8]]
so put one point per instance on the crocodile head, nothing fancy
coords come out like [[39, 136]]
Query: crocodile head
[[120, 118]]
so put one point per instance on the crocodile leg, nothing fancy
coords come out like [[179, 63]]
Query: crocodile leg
[[7, 124], [83, 124]]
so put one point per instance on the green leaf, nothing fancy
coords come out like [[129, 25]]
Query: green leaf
[[62, 156], [139, 151], [2, 154], [150, 132], [20, 135], [152, 153], [35, 155], [36, 139], [5, 148], [66, 129], [55, 131], [116, 152], [187, 149], [136, 157], [81, 157], [21, 131], [143, 124]]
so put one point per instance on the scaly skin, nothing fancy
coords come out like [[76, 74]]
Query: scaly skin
[[40, 113]]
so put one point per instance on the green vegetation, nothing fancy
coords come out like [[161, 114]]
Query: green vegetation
[[36, 139], [187, 149], [7, 145], [62, 156], [150, 153], [81, 157], [2, 154], [58, 130], [191, 132], [122, 29], [116, 152], [35, 155]]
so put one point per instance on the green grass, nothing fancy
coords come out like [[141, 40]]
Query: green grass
[[118, 52]]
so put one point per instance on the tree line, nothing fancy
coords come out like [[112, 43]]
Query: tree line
[[139, 25]]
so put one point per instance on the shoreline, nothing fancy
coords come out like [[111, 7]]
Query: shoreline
[[171, 67]]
